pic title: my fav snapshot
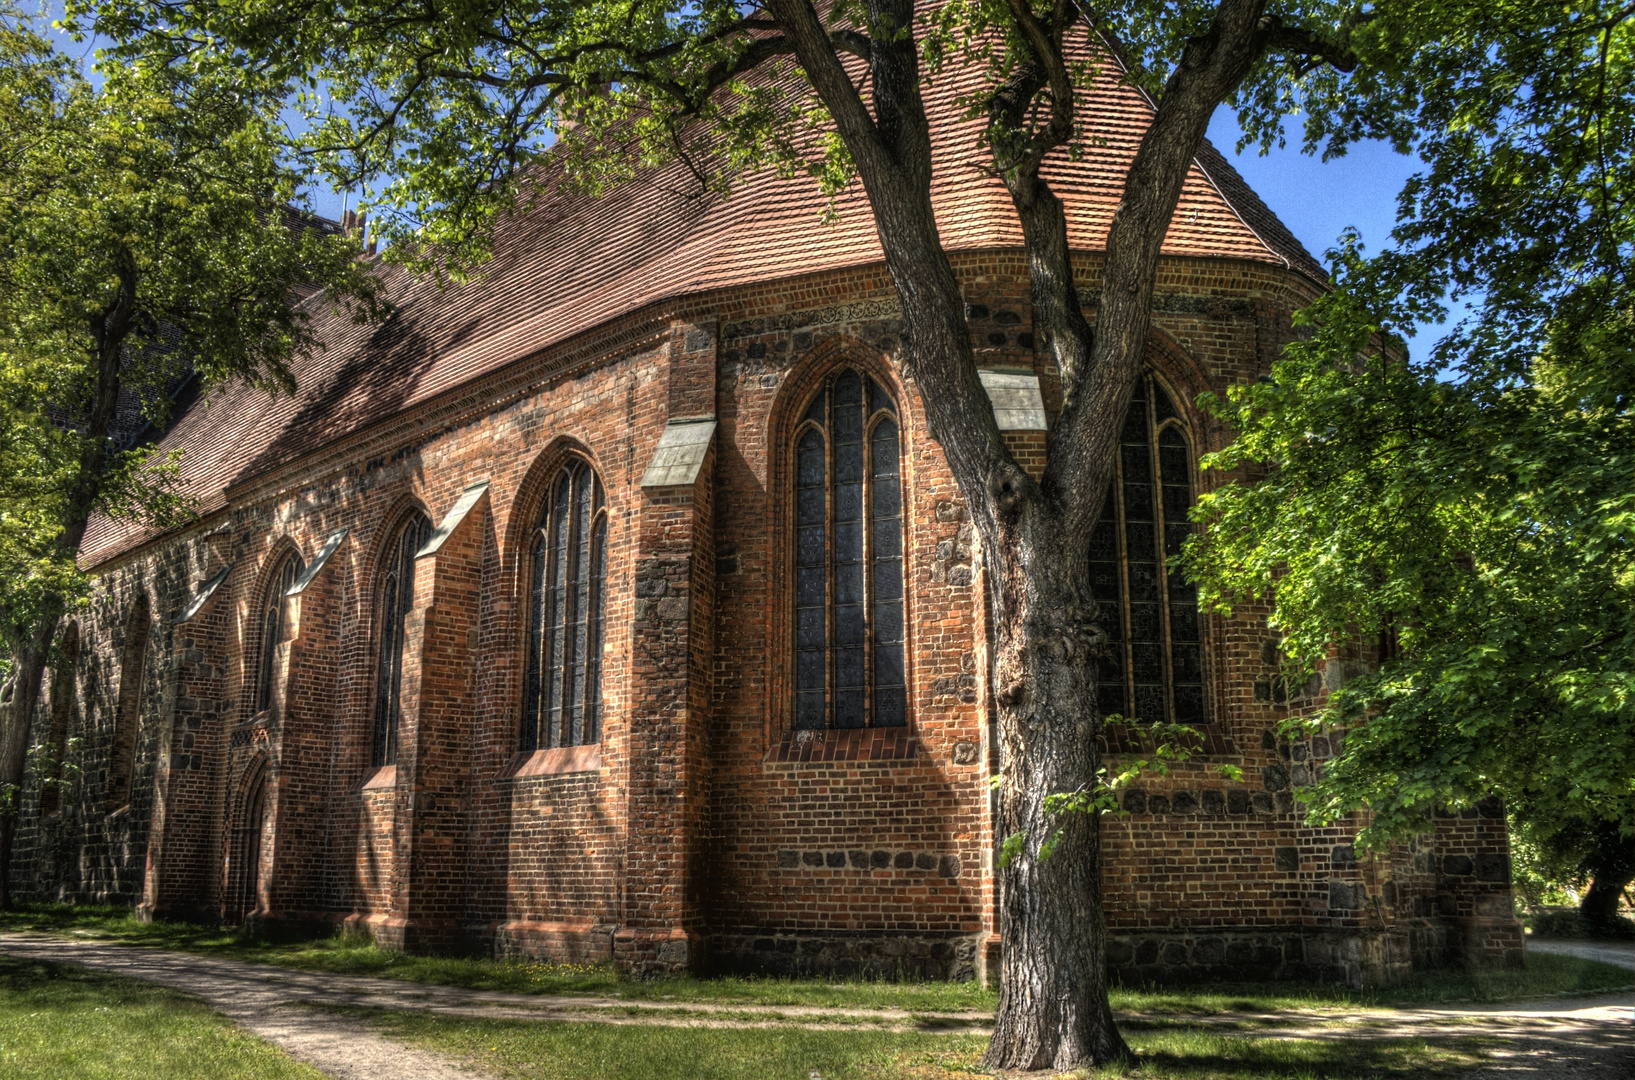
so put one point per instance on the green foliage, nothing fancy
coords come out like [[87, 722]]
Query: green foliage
[[147, 239], [1471, 509], [448, 116], [1162, 744]]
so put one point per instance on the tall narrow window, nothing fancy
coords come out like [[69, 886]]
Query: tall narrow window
[[1153, 668], [562, 682], [848, 573], [128, 711], [396, 590], [244, 870], [63, 667], [272, 627]]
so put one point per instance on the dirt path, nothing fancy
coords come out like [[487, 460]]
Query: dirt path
[[259, 1000], [1574, 1039], [1621, 954], [218, 976]]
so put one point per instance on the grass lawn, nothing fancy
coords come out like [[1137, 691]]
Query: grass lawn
[[556, 1051], [1546, 975], [67, 1023]]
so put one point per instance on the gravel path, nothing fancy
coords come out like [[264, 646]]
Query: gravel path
[[1620, 953], [261, 1000], [1570, 1039]]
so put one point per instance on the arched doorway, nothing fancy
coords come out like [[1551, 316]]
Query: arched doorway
[[244, 859]]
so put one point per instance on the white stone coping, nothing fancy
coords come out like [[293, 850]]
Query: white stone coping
[[451, 521], [202, 597], [680, 453], [317, 564], [1017, 404]]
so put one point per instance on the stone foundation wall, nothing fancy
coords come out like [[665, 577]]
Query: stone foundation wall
[[1242, 955], [955, 957]]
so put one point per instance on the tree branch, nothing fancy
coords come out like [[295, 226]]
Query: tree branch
[[1292, 40]]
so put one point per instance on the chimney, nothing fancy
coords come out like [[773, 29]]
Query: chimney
[[368, 240]]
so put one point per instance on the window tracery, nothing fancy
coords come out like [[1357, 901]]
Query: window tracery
[[272, 627], [1153, 668], [562, 681], [849, 627], [396, 591]]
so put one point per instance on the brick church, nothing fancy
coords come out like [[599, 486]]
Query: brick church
[[617, 606]]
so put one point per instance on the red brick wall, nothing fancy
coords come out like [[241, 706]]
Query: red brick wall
[[700, 832]]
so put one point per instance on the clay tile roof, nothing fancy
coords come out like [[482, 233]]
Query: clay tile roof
[[569, 263]]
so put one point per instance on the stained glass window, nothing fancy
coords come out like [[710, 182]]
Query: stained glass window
[[396, 591], [562, 682], [272, 626], [1153, 667], [848, 572]]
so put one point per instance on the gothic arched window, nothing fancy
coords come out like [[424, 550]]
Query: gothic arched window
[[396, 591], [128, 714], [562, 688], [272, 627], [52, 773], [848, 573], [1153, 667]]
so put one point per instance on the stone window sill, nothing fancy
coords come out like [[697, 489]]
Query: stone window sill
[[560, 761], [898, 744], [382, 778]]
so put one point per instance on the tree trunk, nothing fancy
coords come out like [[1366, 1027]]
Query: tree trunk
[[1600, 905], [108, 332], [1053, 1008], [28, 672], [1612, 864]]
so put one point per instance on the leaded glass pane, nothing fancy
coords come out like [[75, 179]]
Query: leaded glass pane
[[579, 609], [1152, 667], [558, 655], [811, 580], [848, 580], [890, 682], [534, 676], [562, 690], [847, 552], [598, 612]]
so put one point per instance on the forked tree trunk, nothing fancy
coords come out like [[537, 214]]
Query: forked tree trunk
[[1612, 863], [1600, 905], [1053, 1008], [108, 332]]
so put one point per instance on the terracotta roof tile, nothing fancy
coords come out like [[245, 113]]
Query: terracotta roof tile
[[570, 263]]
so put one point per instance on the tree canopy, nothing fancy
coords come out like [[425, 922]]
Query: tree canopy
[[150, 245], [1474, 505]]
